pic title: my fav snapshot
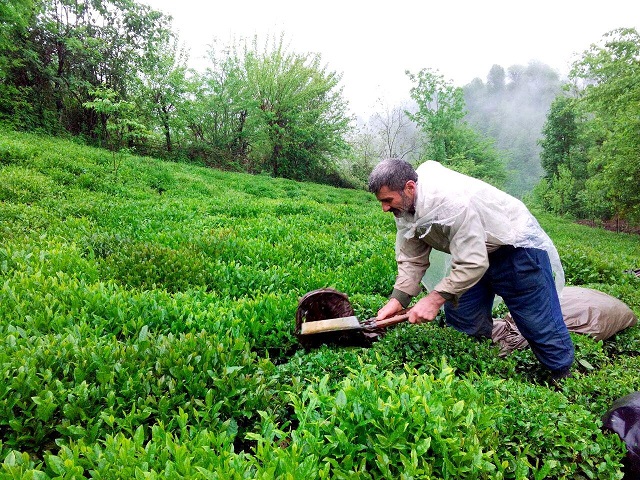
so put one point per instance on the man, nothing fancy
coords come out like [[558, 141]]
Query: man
[[496, 247]]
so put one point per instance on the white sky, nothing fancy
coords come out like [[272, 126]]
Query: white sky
[[371, 43]]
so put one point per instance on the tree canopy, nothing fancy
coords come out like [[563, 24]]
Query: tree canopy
[[450, 140], [511, 107], [264, 108], [591, 143], [255, 108]]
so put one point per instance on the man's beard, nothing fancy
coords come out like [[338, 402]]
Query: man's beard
[[407, 207]]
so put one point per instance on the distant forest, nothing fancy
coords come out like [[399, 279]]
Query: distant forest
[[511, 107], [113, 73]]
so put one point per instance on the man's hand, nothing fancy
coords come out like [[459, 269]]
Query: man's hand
[[427, 308], [393, 306]]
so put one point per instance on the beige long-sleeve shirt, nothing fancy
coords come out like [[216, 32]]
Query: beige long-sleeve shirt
[[467, 218]]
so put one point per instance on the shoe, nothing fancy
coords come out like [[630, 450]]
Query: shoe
[[561, 374], [557, 376]]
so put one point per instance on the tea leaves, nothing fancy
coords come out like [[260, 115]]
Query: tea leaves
[[146, 331]]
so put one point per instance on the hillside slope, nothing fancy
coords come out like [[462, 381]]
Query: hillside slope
[[147, 320]]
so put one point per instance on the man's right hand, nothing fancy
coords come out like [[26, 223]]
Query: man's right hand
[[392, 307]]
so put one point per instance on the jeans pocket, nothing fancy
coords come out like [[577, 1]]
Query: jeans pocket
[[526, 266]]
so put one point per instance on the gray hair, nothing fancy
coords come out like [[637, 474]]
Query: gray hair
[[392, 173]]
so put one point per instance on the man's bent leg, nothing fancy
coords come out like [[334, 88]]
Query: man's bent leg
[[525, 282], [472, 315]]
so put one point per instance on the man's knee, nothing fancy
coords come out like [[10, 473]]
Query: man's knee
[[477, 325]]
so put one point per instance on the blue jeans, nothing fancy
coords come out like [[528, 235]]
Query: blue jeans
[[523, 278]]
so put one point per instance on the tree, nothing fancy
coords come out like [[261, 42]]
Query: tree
[[440, 111], [24, 88], [564, 160], [611, 72], [122, 130], [511, 108], [300, 111], [63, 49], [496, 80], [162, 88], [396, 133], [263, 108], [14, 19], [217, 113], [559, 137], [363, 155], [450, 140]]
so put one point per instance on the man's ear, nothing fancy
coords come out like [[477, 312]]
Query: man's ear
[[410, 187]]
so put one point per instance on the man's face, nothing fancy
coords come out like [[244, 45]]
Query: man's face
[[398, 202]]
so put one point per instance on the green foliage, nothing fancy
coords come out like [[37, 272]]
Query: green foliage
[[57, 52], [121, 128], [21, 185], [451, 141], [147, 330], [593, 256], [560, 136], [567, 188], [563, 437], [378, 425], [594, 135], [440, 111], [161, 92], [114, 74], [272, 110]]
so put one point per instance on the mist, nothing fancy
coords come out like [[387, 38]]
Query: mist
[[511, 107]]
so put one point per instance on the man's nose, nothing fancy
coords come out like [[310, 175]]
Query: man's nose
[[386, 207]]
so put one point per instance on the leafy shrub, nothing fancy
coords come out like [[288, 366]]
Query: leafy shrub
[[390, 425], [74, 386], [20, 185], [585, 267], [544, 434], [148, 266], [157, 453], [158, 176], [16, 220], [423, 346], [267, 323], [15, 151], [102, 245]]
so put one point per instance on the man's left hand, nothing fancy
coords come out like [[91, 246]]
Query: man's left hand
[[427, 308]]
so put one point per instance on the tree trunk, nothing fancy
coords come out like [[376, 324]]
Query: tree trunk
[[275, 155], [167, 128], [167, 136]]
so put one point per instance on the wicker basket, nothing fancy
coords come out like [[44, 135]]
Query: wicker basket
[[323, 304]]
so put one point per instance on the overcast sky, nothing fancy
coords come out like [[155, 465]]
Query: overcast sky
[[372, 43]]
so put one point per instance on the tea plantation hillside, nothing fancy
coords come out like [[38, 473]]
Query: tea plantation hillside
[[147, 312]]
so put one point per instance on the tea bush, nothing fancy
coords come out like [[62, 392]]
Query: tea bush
[[21, 185], [391, 425], [147, 331]]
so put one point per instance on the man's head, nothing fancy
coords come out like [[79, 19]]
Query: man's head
[[393, 182]]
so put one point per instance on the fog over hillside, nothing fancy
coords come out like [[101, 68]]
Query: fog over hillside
[[511, 106]]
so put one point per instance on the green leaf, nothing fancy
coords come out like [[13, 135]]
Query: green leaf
[[457, 408], [423, 446], [586, 364]]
